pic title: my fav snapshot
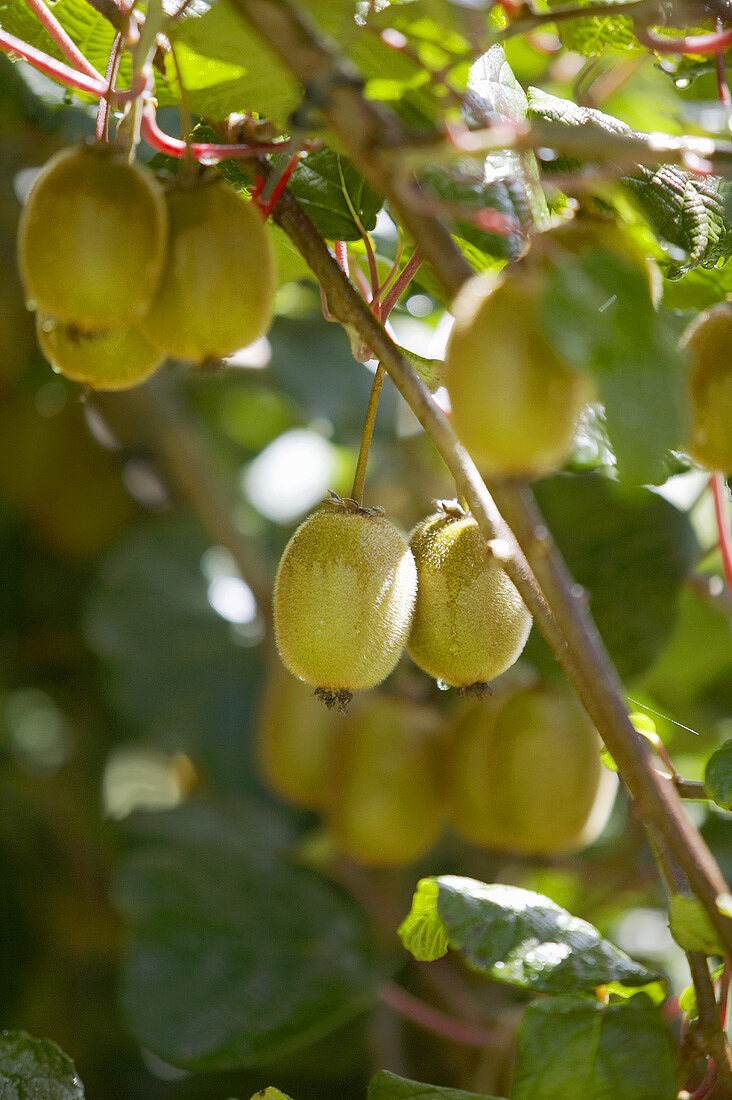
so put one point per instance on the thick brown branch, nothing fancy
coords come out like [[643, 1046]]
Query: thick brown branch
[[561, 614]]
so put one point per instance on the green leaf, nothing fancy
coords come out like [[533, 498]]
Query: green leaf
[[36, 1069], [683, 209], [570, 1047], [592, 35], [494, 93], [698, 658], [270, 1093], [687, 999], [718, 776], [691, 927], [237, 957], [429, 370], [514, 936], [608, 533], [92, 33], [598, 314], [227, 68], [423, 932], [698, 289], [462, 185], [178, 672], [388, 1086], [331, 191]]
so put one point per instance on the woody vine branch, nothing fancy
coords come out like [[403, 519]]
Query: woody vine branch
[[368, 133]]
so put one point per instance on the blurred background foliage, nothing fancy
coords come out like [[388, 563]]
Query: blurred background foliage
[[146, 864]]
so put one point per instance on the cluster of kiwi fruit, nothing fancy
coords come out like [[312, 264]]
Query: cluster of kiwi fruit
[[351, 594], [123, 272], [520, 772]]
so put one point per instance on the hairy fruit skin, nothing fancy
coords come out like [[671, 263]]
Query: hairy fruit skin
[[91, 240], [709, 340], [387, 799], [295, 741], [343, 600], [527, 775], [115, 360], [515, 403], [470, 624], [218, 284]]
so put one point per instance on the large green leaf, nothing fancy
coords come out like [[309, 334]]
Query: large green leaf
[[631, 550], [331, 192], [598, 314], [513, 936], [697, 659], [177, 674], [388, 1086], [226, 67], [683, 209], [237, 957], [36, 1069], [571, 1047]]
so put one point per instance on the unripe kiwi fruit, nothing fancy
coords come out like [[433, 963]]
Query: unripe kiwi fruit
[[218, 285], [114, 360], [387, 800], [586, 233], [470, 624], [526, 774], [295, 740], [515, 403], [709, 341], [343, 600], [91, 241]]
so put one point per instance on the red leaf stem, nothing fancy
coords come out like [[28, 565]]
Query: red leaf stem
[[200, 150], [67, 46], [701, 44], [719, 492]]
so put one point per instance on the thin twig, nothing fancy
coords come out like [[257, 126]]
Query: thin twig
[[202, 150], [102, 123], [700, 44], [692, 789], [64, 42], [367, 435], [710, 1022], [57, 70], [432, 1019], [720, 67], [719, 491], [407, 274], [341, 254]]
